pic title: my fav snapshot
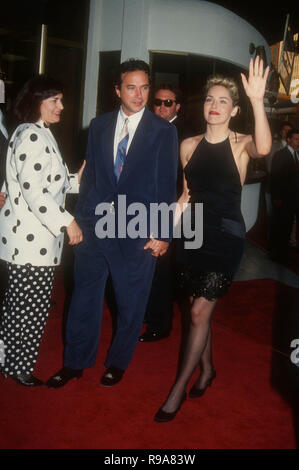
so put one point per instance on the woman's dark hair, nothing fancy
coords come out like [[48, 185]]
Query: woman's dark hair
[[27, 104]]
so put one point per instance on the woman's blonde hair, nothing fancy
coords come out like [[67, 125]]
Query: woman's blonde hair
[[226, 82]]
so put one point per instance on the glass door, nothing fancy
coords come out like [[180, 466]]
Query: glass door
[[64, 53]]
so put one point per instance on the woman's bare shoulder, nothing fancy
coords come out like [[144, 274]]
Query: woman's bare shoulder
[[189, 145]]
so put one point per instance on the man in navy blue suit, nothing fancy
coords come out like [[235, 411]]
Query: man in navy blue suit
[[285, 196], [131, 157]]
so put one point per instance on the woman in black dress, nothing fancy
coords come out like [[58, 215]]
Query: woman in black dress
[[214, 171]]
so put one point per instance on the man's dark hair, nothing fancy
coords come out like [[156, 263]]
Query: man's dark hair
[[284, 123], [169, 86], [131, 65], [27, 104], [291, 132]]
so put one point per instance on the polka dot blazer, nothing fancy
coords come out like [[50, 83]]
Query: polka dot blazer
[[33, 218]]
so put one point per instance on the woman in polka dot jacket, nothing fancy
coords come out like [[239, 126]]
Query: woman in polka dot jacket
[[32, 224]]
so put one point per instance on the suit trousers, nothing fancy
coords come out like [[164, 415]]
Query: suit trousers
[[281, 227], [131, 269]]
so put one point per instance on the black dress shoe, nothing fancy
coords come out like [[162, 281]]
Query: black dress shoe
[[163, 416], [111, 376], [198, 392], [150, 336], [63, 376], [4, 374], [28, 380]]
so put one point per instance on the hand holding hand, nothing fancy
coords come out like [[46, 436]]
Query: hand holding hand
[[256, 84], [74, 233], [80, 172], [158, 247]]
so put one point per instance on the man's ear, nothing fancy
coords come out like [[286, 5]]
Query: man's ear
[[117, 90], [177, 108]]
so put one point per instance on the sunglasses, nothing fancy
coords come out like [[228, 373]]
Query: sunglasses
[[167, 103]]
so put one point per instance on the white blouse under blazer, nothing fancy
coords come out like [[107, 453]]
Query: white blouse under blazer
[[33, 218]]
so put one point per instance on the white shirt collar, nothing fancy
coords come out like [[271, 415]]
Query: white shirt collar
[[171, 120], [42, 124], [133, 119], [292, 151]]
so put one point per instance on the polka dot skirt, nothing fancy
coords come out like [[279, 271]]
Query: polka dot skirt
[[24, 314]]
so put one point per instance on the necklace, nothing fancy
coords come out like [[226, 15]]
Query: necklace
[[205, 136]]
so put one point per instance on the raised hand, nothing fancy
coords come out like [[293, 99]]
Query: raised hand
[[256, 84]]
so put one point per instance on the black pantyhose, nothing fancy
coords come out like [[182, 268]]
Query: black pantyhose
[[198, 351]]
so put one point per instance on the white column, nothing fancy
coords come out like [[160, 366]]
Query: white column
[[113, 25], [135, 29], [92, 62]]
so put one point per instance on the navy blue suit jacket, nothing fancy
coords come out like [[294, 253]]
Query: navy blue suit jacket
[[149, 171]]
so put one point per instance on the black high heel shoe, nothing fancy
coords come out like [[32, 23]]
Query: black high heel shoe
[[198, 392], [163, 416]]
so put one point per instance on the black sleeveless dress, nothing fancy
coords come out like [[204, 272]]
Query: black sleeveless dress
[[213, 179]]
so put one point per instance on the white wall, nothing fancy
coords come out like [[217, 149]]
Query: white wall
[[201, 28], [137, 26]]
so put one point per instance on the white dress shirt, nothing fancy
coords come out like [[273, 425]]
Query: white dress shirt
[[133, 122]]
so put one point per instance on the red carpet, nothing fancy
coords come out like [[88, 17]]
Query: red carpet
[[244, 409]]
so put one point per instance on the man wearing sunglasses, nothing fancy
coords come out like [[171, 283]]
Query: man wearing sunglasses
[[167, 104], [159, 312]]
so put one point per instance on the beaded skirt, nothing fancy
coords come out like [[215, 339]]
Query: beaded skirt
[[210, 285]]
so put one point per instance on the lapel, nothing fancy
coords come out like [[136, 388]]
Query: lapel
[[138, 147], [106, 146], [291, 157]]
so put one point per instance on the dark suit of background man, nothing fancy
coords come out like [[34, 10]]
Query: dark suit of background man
[[148, 176], [285, 195], [159, 312]]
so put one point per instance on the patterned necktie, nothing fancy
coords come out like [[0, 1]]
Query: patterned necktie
[[121, 150]]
